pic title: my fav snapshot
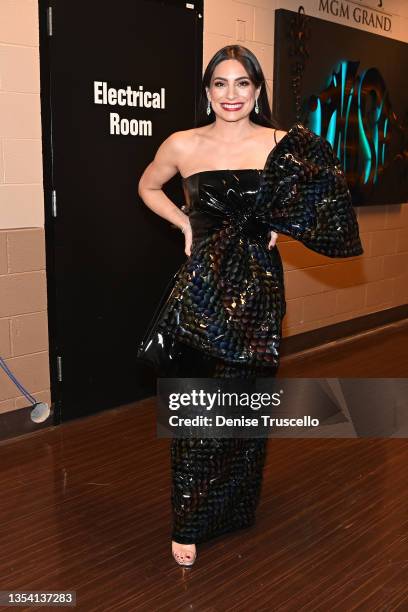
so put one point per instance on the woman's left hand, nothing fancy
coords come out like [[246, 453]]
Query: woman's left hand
[[188, 237], [272, 241]]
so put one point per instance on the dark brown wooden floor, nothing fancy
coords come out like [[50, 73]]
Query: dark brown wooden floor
[[382, 354], [86, 507]]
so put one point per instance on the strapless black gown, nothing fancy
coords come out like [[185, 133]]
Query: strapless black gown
[[216, 482], [222, 312]]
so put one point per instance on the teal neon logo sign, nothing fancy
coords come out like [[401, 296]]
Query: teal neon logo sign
[[353, 113]]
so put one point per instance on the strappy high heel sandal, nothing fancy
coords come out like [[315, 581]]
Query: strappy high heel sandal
[[178, 557]]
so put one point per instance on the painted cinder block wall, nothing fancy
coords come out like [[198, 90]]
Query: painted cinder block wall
[[23, 295], [320, 291]]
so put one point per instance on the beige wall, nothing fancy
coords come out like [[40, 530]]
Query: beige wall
[[23, 298], [319, 290], [21, 192]]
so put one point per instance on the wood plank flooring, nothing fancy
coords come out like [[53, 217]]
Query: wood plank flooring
[[86, 507]]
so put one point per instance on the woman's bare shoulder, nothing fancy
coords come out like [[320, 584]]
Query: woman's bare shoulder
[[181, 142], [184, 137], [280, 134], [272, 133]]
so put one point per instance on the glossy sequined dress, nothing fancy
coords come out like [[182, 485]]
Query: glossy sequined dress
[[222, 312], [216, 482], [227, 299]]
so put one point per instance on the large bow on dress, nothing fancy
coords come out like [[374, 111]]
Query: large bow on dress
[[305, 195], [228, 299]]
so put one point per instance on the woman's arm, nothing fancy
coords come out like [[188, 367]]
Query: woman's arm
[[163, 167]]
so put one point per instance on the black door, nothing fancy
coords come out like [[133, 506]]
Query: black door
[[116, 79]]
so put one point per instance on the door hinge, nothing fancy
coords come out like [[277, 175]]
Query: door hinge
[[54, 203], [59, 368], [49, 20]]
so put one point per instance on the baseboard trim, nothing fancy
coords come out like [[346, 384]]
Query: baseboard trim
[[17, 423], [339, 331]]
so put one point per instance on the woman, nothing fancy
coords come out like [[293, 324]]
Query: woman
[[244, 181]]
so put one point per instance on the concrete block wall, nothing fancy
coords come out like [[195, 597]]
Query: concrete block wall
[[23, 290], [321, 291]]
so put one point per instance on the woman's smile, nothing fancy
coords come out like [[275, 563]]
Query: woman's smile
[[232, 107]]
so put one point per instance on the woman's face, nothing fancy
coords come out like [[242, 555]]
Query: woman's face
[[231, 92]]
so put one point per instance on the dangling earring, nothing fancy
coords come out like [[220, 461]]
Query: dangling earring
[[256, 106], [208, 107]]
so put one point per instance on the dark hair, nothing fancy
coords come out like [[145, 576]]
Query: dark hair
[[254, 70]]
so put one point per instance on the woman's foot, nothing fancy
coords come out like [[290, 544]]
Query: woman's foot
[[184, 554]]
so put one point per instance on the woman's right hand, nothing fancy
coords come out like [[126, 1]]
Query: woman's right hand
[[188, 237]]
